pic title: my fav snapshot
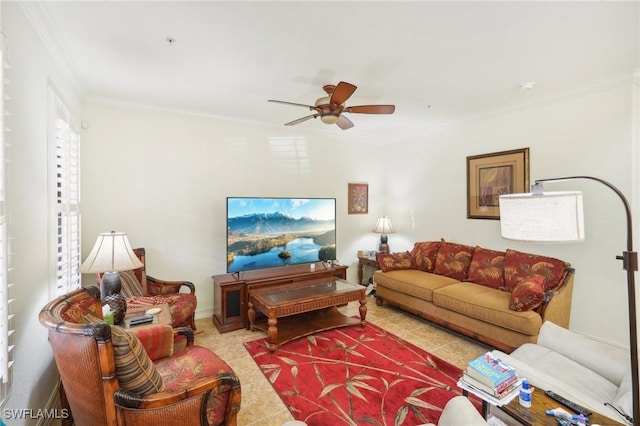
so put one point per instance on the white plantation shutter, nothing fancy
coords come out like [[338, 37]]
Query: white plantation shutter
[[66, 143], [6, 317]]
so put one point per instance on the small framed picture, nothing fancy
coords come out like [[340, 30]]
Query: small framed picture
[[358, 198], [492, 175]]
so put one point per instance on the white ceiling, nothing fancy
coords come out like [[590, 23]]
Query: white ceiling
[[438, 62]]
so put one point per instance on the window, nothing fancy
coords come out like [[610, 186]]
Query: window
[[65, 148], [6, 317]]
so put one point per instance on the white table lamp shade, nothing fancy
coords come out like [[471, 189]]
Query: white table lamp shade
[[384, 226], [111, 252], [552, 217]]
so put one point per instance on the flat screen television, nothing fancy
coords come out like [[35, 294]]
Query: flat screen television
[[270, 232]]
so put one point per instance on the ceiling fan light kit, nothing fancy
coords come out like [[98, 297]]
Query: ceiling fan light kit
[[330, 108]]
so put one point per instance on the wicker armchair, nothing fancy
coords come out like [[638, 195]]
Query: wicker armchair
[[142, 289], [107, 379]]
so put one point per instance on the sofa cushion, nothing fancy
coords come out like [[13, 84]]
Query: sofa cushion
[[393, 261], [487, 267], [135, 371], [488, 305], [624, 396], [418, 284], [591, 353], [453, 260], [193, 363], [424, 255], [157, 339], [519, 265], [565, 370], [528, 294]]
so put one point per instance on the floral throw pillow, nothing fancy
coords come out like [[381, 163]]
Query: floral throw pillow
[[518, 266], [528, 294], [487, 267], [424, 255], [394, 261], [453, 260]]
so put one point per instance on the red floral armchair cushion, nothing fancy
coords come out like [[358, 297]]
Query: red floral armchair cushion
[[453, 260], [394, 261], [424, 255], [192, 363], [519, 265], [487, 267], [528, 294]]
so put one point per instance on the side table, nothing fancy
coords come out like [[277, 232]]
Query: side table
[[161, 317], [536, 414], [366, 261]]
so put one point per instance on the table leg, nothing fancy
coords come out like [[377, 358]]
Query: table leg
[[272, 331], [252, 315], [485, 404], [360, 272], [363, 310]]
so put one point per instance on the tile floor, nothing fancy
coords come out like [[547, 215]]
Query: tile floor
[[262, 406]]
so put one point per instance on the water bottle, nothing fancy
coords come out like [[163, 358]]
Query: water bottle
[[525, 394]]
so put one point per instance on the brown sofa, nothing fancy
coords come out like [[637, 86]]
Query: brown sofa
[[498, 298]]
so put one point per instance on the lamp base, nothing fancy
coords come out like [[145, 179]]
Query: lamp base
[[110, 284], [383, 247]]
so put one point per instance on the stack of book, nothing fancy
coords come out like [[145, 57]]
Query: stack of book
[[491, 379]]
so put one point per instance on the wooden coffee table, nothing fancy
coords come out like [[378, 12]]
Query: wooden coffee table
[[305, 307], [536, 414]]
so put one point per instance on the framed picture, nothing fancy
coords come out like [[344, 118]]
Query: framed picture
[[492, 175], [358, 198]]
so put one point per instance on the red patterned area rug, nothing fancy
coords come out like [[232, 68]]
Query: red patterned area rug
[[355, 375]]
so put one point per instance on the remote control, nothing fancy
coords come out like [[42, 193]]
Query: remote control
[[564, 401], [142, 320]]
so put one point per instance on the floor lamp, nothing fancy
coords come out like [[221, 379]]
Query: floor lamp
[[557, 217]]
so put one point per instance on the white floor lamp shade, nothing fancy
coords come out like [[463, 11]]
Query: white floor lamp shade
[[550, 217]]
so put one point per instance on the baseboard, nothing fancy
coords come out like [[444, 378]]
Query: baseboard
[[53, 408], [204, 313]]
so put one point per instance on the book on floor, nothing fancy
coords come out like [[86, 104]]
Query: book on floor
[[490, 371]]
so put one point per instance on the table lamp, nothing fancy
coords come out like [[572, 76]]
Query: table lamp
[[110, 254], [557, 217], [383, 227]]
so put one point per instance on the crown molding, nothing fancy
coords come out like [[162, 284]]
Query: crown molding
[[39, 17], [596, 86]]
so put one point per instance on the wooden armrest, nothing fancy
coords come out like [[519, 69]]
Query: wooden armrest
[[185, 331], [157, 287]]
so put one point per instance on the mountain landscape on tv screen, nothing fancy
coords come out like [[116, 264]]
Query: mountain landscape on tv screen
[[274, 223], [262, 240]]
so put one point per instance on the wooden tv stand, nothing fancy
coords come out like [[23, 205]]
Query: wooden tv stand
[[231, 290]]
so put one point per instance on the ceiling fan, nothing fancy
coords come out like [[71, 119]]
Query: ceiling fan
[[330, 108]]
